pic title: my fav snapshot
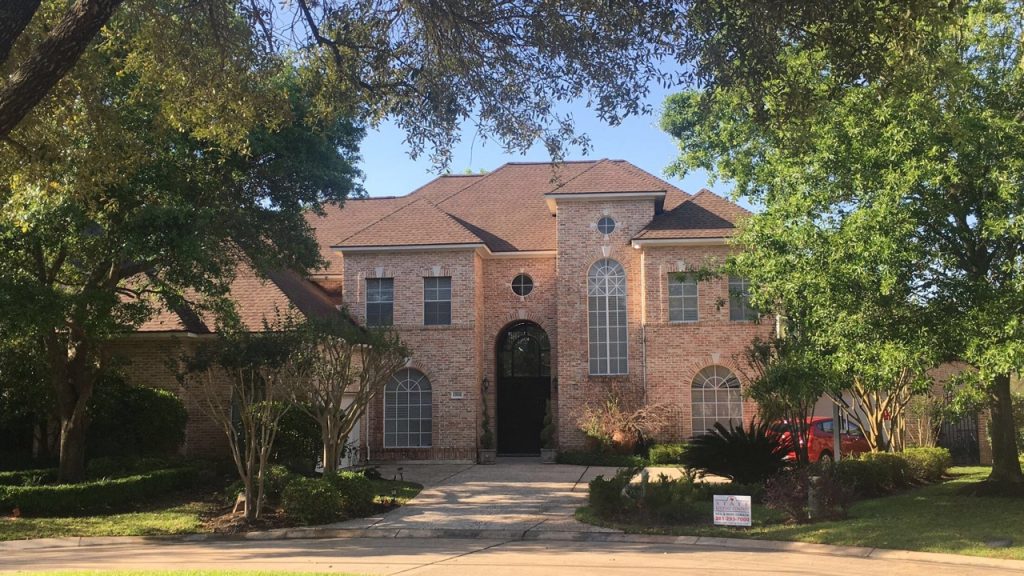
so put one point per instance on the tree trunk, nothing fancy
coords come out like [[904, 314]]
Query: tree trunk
[[1005, 465], [72, 447], [331, 449]]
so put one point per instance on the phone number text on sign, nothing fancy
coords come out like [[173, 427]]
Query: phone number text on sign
[[732, 510]]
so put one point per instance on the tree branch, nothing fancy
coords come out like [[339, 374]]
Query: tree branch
[[14, 17], [54, 57]]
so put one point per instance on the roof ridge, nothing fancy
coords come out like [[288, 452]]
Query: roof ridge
[[381, 219], [409, 204], [562, 185], [468, 186]]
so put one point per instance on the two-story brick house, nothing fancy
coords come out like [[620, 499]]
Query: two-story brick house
[[534, 282]]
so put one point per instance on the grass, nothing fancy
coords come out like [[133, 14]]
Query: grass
[[395, 492], [931, 519], [183, 518], [180, 515]]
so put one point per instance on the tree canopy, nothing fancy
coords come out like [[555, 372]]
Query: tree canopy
[[905, 181]]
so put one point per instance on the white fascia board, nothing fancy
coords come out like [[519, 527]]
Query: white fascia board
[[525, 254], [653, 242], [409, 248]]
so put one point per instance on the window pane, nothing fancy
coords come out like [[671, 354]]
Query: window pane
[[606, 304], [407, 410], [437, 300], [715, 396], [739, 300]]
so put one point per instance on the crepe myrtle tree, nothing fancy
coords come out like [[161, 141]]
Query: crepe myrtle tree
[[243, 382], [339, 368], [917, 160]]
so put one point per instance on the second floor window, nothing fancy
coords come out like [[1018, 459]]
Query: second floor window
[[682, 298], [380, 301], [739, 300], [606, 309], [437, 300]]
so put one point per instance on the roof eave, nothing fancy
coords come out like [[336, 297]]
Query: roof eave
[[552, 198], [710, 241], [410, 248]]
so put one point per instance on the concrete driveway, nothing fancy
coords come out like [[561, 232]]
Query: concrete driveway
[[514, 495]]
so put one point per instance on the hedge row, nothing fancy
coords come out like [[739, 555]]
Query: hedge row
[[666, 454], [876, 474], [28, 477], [601, 459], [328, 499], [98, 496]]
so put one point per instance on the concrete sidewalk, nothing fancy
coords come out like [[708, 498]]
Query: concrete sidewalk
[[494, 557]]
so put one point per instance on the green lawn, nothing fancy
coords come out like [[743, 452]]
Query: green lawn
[[931, 519], [174, 517]]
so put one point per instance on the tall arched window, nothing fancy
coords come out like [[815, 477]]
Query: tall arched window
[[407, 410], [716, 398], [606, 305]]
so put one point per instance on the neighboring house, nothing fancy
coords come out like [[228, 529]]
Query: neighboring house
[[534, 281]]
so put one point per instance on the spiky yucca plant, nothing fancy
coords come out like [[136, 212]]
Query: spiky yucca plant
[[747, 455]]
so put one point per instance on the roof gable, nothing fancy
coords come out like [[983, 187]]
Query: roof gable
[[704, 215], [407, 225]]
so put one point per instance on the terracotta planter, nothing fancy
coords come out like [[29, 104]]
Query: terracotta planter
[[548, 455], [485, 456]]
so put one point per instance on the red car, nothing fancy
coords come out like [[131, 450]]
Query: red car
[[820, 445]]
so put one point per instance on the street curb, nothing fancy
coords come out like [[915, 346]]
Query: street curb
[[531, 535]]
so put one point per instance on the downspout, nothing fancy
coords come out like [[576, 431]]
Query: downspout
[[643, 322]]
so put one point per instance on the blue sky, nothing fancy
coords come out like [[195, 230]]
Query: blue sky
[[390, 172]]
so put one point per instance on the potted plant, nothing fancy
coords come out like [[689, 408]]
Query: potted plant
[[487, 454], [548, 454]]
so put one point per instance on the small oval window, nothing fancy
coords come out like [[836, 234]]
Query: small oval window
[[522, 285], [606, 225]]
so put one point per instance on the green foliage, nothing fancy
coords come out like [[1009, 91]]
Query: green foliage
[[134, 421], [97, 496], [547, 432], [745, 454], [356, 492], [600, 459], [297, 444], [487, 435], [927, 464], [890, 229], [789, 492], [606, 495], [665, 454], [28, 477], [312, 501]]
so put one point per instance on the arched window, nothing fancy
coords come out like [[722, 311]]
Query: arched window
[[407, 410], [716, 398], [606, 306]]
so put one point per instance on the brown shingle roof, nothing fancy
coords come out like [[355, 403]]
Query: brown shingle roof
[[257, 301], [341, 221], [704, 215], [406, 226], [607, 176]]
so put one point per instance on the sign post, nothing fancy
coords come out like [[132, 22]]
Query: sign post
[[837, 443], [732, 510]]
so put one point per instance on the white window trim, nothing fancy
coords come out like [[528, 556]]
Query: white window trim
[[384, 416], [668, 308], [625, 281]]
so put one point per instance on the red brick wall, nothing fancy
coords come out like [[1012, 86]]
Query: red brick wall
[[447, 355], [149, 361], [676, 351]]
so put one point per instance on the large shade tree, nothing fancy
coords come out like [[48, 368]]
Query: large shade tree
[[119, 199], [923, 146]]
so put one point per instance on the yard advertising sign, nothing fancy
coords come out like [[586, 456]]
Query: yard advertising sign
[[732, 510]]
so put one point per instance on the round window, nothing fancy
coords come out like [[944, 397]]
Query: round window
[[606, 225], [522, 285]]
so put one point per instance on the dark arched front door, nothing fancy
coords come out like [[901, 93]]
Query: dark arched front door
[[524, 386]]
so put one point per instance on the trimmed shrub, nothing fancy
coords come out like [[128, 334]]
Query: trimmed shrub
[[356, 491], [130, 420], [601, 459], [788, 493], [28, 477], [666, 453], [709, 490], [98, 496], [746, 455], [927, 464], [669, 501], [606, 495], [312, 501], [297, 444], [111, 467]]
